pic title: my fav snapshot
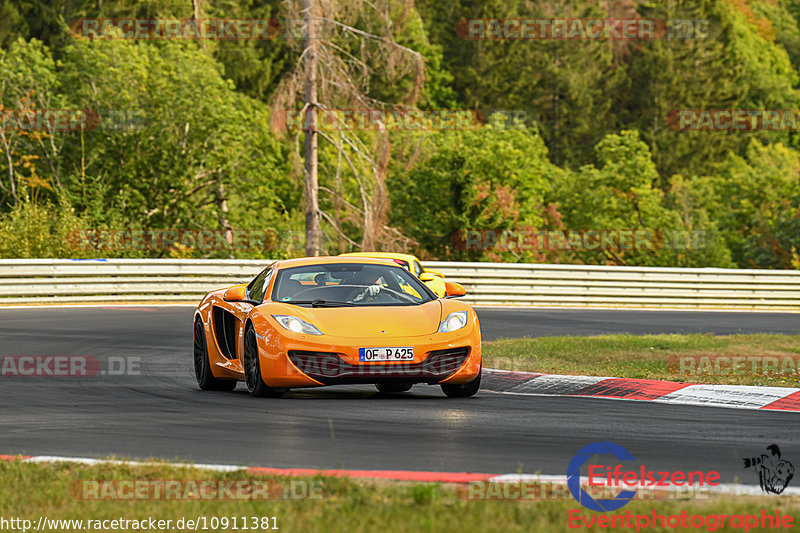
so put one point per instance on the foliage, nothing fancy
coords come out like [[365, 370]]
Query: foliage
[[184, 138], [622, 194], [757, 203], [492, 178], [39, 228]]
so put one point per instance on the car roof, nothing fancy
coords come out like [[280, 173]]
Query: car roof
[[305, 261], [387, 255]]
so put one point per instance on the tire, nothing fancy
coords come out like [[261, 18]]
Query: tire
[[463, 390], [252, 369], [202, 365], [393, 387]]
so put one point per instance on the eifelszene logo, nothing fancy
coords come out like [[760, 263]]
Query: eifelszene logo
[[574, 476], [615, 475], [774, 472]]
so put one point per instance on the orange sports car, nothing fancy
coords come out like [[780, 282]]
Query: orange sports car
[[336, 320]]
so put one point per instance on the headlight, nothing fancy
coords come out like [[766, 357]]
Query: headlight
[[292, 323], [453, 322]]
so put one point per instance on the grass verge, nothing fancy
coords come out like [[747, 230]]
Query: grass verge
[[648, 356], [29, 490]]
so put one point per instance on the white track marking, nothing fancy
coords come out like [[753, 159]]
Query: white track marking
[[727, 395], [90, 461]]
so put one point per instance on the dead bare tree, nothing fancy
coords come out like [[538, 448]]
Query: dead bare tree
[[333, 71], [311, 142]]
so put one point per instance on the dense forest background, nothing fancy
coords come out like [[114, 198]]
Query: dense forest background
[[576, 133]]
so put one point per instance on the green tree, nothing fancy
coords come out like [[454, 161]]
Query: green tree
[[562, 85], [489, 179], [193, 148], [756, 200], [736, 67], [31, 154], [620, 194]]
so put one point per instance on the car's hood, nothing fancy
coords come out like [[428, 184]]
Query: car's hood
[[367, 321]]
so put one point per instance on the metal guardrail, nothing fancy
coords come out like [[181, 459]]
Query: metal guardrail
[[187, 280], [119, 280], [527, 284]]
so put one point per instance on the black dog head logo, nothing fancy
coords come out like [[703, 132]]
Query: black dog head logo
[[774, 472]]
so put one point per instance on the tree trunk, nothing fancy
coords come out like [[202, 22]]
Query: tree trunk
[[222, 205], [311, 140]]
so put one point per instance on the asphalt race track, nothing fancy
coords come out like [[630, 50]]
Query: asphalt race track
[[497, 322], [161, 413]]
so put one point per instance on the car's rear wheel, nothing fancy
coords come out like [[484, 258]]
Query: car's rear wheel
[[202, 365], [463, 390], [393, 387], [252, 368]]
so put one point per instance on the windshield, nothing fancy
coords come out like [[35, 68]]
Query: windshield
[[349, 284]]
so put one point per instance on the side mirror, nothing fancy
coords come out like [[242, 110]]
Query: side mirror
[[427, 276], [454, 290], [238, 294], [433, 272]]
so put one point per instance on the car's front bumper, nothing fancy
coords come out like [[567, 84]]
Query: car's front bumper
[[298, 360]]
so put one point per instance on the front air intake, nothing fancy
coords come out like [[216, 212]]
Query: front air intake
[[329, 368]]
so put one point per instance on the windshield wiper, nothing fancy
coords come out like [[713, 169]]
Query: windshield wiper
[[320, 303]]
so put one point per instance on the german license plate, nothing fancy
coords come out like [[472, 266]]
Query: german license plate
[[405, 353]]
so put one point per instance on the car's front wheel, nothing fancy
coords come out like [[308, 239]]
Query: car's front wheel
[[202, 366], [463, 390], [252, 369]]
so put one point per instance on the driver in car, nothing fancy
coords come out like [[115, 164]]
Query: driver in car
[[373, 282]]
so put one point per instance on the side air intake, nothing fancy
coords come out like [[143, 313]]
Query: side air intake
[[225, 332]]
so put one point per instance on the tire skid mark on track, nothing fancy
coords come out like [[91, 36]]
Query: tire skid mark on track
[[631, 389]]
